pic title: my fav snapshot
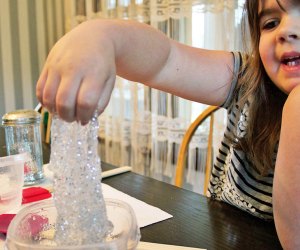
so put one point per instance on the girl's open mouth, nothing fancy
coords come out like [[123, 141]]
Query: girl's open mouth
[[291, 61]]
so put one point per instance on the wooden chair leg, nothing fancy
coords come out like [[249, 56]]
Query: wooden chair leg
[[209, 154]]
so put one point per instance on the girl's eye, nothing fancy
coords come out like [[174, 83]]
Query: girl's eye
[[268, 25]]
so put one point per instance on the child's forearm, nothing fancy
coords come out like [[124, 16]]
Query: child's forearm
[[141, 52], [286, 198]]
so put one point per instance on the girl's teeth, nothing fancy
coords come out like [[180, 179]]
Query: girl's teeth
[[293, 63]]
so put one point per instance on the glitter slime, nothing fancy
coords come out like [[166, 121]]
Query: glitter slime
[[78, 217], [81, 212]]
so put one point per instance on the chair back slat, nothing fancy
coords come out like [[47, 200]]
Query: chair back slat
[[180, 167]]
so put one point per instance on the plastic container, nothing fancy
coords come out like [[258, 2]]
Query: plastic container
[[23, 134], [34, 228], [11, 181]]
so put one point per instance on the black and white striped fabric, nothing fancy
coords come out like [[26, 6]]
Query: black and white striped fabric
[[233, 179]]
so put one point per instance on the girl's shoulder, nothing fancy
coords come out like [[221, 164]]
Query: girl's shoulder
[[293, 99], [238, 70], [292, 105]]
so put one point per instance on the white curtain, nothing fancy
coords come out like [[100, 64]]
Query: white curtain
[[143, 127]]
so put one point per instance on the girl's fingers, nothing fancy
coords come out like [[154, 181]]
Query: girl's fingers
[[91, 95], [106, 94], [41, 85], [66, 97], [50, 90]]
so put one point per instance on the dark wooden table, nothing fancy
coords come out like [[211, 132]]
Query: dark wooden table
[[197, 221]]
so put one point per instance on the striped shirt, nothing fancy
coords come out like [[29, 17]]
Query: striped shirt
[[233, 179]]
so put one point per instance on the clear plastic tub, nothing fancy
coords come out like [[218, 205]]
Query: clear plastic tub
[[34, 228], [11, 181]]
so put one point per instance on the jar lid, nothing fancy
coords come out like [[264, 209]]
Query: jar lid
[[21, 117]]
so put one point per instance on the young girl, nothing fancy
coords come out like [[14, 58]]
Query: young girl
[[260, 90]]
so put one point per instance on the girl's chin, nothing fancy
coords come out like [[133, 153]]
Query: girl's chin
[[287, 81], [290, 87]]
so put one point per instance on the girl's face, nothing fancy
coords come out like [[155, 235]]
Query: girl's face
[[279, 45]]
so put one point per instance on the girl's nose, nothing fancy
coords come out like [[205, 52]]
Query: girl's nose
[[289, 31]]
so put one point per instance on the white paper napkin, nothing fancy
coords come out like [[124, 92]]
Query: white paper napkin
[[145, 213], [152, 246]]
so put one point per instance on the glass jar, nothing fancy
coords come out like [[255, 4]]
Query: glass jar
[[23, 134]]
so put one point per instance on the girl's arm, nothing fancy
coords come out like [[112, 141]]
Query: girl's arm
[[80, 70], [286, 193]]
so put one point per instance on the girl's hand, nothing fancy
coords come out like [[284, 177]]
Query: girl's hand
[[79, 74]]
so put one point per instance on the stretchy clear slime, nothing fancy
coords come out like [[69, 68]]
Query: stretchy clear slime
[[78, 217]]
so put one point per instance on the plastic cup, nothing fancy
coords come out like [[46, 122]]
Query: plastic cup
[[11, 181], [34, 228]]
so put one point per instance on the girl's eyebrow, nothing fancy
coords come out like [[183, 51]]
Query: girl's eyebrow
[[266, 12]]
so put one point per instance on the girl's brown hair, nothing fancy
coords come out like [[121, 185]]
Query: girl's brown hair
[[262, 133]]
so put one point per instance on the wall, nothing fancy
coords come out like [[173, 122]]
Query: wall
[[28, 29]]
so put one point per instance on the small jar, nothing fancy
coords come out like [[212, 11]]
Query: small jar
[[23, 134]]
